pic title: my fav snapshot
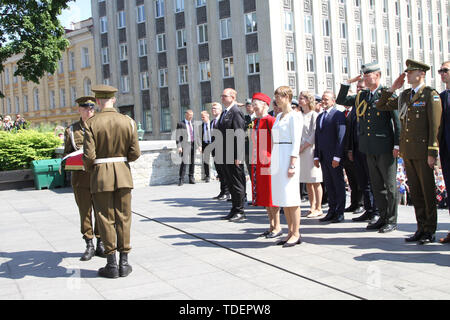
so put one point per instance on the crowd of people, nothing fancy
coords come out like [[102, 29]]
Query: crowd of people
[[382, 147], [6, 123]]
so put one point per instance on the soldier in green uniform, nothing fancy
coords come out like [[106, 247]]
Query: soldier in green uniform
[[420, 113], [111, 142], [374, 138], [73, 141]]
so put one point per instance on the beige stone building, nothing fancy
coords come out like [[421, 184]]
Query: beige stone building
[[52, 101]]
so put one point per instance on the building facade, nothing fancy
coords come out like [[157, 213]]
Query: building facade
[[52, 101], [166, 56]]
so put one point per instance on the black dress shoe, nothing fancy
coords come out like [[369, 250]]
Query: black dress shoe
[[359, 210], [191, 182], [273, 235], [416, 237], [207, 180], [262, 235], [180, 182], [218, 197], [339, 218], [350, 209], [427, 238], [364, 217], [388, 228], [328, 217], [229, 216], [237, 217], [376, 226], [290, 245], [281, 243]]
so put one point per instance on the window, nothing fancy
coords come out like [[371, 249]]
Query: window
[[326, 28], [343, 30], [288, 21], [36, 99], [85, 57], [328, 64], [62, 98], [87, 87], [60, 66], [308, 25], [225, 29], [228, 67], [8, 105], [121, 20], [159, 8], [205, 71], [358, 32], [140, 14], [166, 120], [310, 62], [161, 42], [200, 3], [105, 55], [103, 25], [148, 125], [183, 74], [71, 61], [123, 51], [253, 63], [251, 24], [290, 61], [162, 79], [125, 84], [17, 104], [179, 5], [181, 38], [73, 96], [144, 80], [345, 65], [142, 47], [6, 75], [52, 99], [202, 31], [373, 33], [25, 104]]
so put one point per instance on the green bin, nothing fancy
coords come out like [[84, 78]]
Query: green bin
[[46, 174]]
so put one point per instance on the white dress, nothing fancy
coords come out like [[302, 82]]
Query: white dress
[[308, 172], [286, 135]]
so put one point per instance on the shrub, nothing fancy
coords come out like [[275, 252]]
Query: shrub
[[18, 149]]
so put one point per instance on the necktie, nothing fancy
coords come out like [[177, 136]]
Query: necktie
[[413, 93], [223, 115], [208, 133], [325, 114], [346, 113], [191, 132]]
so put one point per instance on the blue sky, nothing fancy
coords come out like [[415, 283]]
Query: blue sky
[[78, 10]]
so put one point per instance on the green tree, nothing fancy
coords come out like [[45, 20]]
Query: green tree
[[31, 28]]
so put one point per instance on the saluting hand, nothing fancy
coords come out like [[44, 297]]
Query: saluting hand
[[355, 79], [398, 83]]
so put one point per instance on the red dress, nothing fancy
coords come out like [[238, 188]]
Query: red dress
[[261, 156]]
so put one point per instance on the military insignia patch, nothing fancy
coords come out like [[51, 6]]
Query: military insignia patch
[[436, 98], [419, 104]]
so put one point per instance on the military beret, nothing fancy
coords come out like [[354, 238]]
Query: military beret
[[416, 65], [88, 101], [262, 97], [370, 67], [104, 91]]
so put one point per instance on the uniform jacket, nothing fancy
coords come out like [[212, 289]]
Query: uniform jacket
[[377, 132], [110, 134], [421, 122], [329, 140], [80, 179]]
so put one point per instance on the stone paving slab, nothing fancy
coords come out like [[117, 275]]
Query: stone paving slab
[[183, 250]]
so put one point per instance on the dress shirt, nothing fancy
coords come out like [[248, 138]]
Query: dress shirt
[[190, 130]]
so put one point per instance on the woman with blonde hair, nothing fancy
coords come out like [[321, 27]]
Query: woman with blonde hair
[[309, 174], [285, 165]]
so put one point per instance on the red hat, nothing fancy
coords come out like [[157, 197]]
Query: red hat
[[262, 97]]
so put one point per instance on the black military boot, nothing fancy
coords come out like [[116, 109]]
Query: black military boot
[[111, 269], [100, 251], [124, 268], [90, 251]]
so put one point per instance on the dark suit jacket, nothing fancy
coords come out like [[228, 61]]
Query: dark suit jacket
[[444, 132], [182, 134], [329, 140], [233, 120]]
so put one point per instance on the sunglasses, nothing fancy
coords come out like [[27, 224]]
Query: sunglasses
[[443, 70]]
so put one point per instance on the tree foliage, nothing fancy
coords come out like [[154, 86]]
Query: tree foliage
[[31, 28]]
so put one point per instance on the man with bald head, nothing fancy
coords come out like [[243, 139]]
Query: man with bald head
[[232, 126]]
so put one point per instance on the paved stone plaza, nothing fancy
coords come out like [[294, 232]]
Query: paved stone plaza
[[183, 250]]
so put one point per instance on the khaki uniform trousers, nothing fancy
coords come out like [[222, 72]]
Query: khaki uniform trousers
[[422, 187], [84, 202], [114, 215]]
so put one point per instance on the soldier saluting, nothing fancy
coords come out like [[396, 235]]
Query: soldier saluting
[[111, 142], [420, 113], [73, 141]]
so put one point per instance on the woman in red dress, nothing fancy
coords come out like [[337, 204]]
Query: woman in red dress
[[261, 156]]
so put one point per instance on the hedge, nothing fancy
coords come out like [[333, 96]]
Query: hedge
[[18, 149]]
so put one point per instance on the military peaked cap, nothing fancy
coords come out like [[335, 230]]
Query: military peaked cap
[[370, 67], [88, 101], [415, 65], [104, 91]]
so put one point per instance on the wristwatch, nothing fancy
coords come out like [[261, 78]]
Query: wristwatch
[[291, 167]]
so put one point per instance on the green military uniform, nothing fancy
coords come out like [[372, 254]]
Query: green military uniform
[[420, 115], [111, 142], [73, 141], [377, 133]]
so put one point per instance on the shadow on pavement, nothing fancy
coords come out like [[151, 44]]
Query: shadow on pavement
[[42, 264]]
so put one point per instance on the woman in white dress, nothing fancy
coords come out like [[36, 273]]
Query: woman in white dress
[[285, 165], [310, 174]]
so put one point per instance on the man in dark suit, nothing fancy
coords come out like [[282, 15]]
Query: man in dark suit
[[328, 153], [232, 127], [205, 130], [216, 111], [374, 149], [444, 141], [186, 146], [249, 117]]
